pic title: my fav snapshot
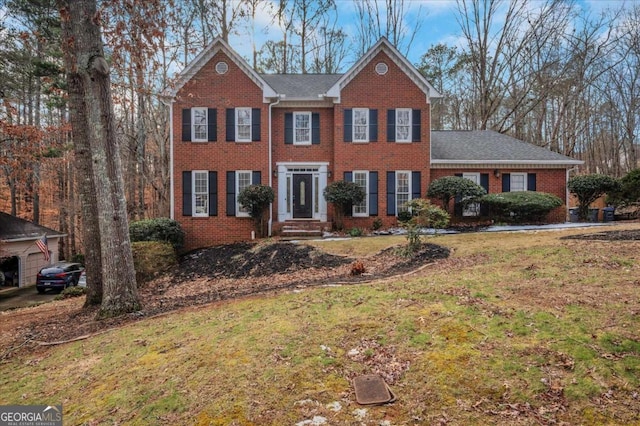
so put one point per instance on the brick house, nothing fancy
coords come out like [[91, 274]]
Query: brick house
[[232, 127]]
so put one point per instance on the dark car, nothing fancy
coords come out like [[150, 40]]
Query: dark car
[[58, 276]]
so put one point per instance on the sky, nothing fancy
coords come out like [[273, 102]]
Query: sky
[[437, 23]]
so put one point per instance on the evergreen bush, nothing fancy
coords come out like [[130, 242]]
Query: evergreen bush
[[521, 206], [157, 229]]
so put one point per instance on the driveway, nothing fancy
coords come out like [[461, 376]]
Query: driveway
[[11, 298]]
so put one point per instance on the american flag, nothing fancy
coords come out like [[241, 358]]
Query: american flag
[[44, 247]]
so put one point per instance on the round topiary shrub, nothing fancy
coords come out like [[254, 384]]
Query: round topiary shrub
[[157, 229], [522, 206], [151, 258]]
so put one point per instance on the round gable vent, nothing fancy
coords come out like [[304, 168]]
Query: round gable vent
[[382, 68], [222, 67]]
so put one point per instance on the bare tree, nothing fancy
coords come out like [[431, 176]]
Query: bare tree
[[99, 160]]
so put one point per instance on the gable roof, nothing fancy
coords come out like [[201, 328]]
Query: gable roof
[[490, 147], [205, 56], [301, 86], [13, 228], [385, 46]]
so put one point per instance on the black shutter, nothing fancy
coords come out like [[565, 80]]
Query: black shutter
[[231, 124], [391, 193], [213, 193], [373, 125], [531, 182], [391, 125], [457, 205], [348, 208], [415, 185], [288, 128], [255, 124], [348, 125], [373, 193], [212, 124], [315, 128], [484, 182], [187, 192], [231, 193], [415, 125], [506, 182], [186, 125], [256, 178]]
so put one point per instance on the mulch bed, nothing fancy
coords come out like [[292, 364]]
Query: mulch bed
[[206, 276], [624, 235]]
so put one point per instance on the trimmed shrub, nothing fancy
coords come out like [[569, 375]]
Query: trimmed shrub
[[343, 195], [157, 229], [151, 258], [70, 292], [256, 199], [588, 188], [629, 190], [356, 232], [450, 187], [522, 206]]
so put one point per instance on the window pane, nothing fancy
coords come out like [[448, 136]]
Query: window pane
[[201, 193], [244, 180], [199, 123], [403, 125], [402, 190], [360, 179], [243, 124], [517, 182], [361, 125]]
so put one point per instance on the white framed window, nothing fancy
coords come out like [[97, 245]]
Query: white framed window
[[243, 124], [361, 125], [200, 185], [518, 182], [403, 190], [243, 179], [361, 178], [301, 128], [403, 125], [199, 124], [472, 209]]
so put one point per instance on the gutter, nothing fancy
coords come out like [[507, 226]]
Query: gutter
[[270, 144], [171, 190]]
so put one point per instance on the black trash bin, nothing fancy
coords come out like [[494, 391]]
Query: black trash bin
[[573, 214], [607, 214], [593, 215]]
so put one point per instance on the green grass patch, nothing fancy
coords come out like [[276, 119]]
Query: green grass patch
[[511, 320]]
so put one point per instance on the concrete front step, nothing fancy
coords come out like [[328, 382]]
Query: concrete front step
[[302, 229]]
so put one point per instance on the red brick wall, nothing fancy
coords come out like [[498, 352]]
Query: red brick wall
[[382, 92], [211, 90], [551, 181]]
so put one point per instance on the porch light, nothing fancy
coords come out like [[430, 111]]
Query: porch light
[[496, 173]]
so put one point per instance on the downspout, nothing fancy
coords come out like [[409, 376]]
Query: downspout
[[270, 223], [171, 183], [566, 185]]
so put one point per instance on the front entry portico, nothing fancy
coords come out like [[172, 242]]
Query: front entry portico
[[300, 189]]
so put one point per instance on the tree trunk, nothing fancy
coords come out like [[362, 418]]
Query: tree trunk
[[92, 122]]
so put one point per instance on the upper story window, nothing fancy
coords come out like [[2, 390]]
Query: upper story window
[[243, 124], [403, 125], [301, 128], [361, 125], [199, 124]]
